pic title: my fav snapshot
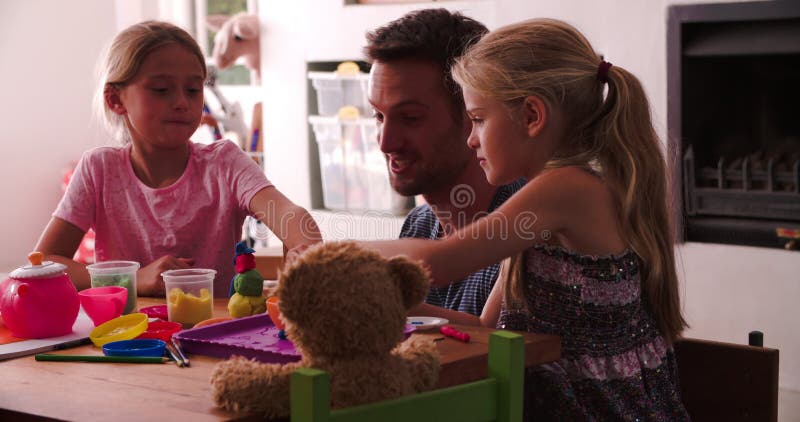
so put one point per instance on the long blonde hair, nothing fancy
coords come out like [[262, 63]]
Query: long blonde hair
[[614, 135], [124, 57]]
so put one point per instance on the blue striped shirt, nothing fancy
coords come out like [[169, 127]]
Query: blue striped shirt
[[470, 294]]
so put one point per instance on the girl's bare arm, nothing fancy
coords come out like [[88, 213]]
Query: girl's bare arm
[[292, 224], [58, 243]]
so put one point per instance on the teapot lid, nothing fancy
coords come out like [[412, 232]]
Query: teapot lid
[[37, 268]]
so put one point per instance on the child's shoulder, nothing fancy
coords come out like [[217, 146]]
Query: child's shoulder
[[571, 180], [106, 153], [572, 192], [219, 149]]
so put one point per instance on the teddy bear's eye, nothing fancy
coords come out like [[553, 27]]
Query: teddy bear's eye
[[237, 38]]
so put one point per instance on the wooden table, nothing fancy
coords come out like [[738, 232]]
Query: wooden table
[[120, 391]]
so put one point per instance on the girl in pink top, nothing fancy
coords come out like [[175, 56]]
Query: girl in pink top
[[160, 199]]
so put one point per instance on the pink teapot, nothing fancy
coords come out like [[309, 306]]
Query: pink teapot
[[39, 300]]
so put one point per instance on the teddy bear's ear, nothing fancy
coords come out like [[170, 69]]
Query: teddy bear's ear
[[411, 279]]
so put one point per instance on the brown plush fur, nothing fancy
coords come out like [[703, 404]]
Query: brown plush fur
[[345, 309]]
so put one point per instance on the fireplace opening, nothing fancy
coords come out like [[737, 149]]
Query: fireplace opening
[[733, 105]]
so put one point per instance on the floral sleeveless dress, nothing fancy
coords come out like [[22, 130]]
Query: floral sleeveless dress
[[614, 363]]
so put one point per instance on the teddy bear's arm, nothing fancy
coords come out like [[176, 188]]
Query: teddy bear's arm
[[245, 386], [421, 358]]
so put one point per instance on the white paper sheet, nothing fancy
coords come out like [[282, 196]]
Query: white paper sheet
[[80, 335]]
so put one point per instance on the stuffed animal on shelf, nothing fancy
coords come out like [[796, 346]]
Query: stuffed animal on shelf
[[247, 286], [239, 36], [345, 311]]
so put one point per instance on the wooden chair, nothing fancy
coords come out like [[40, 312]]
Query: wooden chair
[[727, 382], [496, 398]]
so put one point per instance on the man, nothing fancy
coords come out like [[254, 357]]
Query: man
[[423, 130]]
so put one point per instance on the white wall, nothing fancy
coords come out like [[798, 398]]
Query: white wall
[[48, 51]]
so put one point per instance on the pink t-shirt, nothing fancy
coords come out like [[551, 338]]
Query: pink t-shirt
[[199, 216]]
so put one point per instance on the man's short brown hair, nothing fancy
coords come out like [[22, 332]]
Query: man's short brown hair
[[435, 35]]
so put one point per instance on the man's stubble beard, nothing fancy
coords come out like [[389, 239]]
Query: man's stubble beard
[[427, 181]]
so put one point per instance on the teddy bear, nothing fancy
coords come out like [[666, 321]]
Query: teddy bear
[[344, 308]]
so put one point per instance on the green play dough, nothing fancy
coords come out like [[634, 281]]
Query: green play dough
[[249, 283]]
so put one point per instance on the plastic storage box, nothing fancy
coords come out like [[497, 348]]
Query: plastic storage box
[[336, 90], [353, 169]]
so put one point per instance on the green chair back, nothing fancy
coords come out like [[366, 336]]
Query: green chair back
[[496, 398]]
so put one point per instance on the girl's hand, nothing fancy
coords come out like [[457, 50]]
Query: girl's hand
[[148, 278]]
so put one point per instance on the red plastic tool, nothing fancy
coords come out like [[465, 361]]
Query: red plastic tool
[[452, 332]]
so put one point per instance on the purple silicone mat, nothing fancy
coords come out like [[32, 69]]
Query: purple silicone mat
[[253, 337]]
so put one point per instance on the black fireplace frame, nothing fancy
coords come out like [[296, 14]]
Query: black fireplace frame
[[726, 229]]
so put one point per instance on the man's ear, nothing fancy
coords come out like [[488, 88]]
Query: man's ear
[[113, 100], [534, 114]]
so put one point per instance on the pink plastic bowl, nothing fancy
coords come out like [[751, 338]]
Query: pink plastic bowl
[[103, 303], [156, 311]]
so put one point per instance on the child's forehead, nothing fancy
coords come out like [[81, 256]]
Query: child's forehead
[[170, 77], [172, 60]]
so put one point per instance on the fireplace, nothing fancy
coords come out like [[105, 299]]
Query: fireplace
[[733, 121]]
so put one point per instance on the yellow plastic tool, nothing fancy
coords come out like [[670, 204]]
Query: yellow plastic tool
[[125, 327]]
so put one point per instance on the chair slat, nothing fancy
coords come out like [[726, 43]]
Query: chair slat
[[473, 402]]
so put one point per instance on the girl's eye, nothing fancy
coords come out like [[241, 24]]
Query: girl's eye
[[377, 116], [476, 121]]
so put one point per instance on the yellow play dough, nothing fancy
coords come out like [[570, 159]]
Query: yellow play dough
[[242, 306], [187, 308]]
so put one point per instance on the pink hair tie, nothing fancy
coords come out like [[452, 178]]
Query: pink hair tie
[[602, 71]]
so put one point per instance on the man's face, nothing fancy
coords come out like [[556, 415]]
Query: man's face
[[418, 130]]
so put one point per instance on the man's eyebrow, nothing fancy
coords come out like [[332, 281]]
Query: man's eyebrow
[[405, 103]]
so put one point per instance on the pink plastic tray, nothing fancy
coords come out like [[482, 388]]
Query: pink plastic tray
[[253, 337]]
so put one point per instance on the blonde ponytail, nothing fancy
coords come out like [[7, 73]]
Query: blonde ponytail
[[635, 168]]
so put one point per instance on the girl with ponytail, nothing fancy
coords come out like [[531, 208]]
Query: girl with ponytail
[[589, 235]]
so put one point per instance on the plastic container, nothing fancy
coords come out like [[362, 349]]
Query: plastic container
[[161, 330], [274, 311], [125, 327], [252, 337], [190, 296], [212, 321], [137, 347], [116, 273], [155, 311], [336, 90], [353, 168], [103, 303]]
